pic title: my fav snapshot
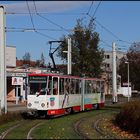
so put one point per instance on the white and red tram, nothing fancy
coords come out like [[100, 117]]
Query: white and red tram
[[54, 94]]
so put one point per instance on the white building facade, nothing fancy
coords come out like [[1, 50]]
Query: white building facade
[[108, 59], [10, 56], [107, 68]]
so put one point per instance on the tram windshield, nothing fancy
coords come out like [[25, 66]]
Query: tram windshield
[[38, 85]]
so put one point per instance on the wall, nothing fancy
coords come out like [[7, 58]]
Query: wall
[[10, 56]]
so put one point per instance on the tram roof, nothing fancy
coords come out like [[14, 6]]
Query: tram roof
[[64, 76], [53, 74], [95, 79]]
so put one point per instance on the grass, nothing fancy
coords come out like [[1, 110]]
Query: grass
[[87, 125], [59, 128], [21, 131], [5, 126], [63, 128]]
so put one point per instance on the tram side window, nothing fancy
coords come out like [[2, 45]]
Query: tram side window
[[98, 87], [67, 82], [61, 86], [93, 86], [77, 86], [55, 85], [73, 86], [49, 92], [88, 87], [102, 87]]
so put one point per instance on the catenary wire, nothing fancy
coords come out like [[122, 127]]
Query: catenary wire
[[30, 14], [47, 18], [90, 8], [96, 9], [42, 34]]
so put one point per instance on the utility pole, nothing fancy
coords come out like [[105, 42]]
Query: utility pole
[[3, 91], [114, 76], [69, 57], [128, 79]]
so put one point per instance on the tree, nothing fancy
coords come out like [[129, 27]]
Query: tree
[[41, 62], [133, 57], [27, 58], [87, 57], [37, 64]]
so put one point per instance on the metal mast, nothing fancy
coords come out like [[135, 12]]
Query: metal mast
[[3, 92]]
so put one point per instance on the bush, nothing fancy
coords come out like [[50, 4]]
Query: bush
[[110, 96], [129, 117], [10, 116]]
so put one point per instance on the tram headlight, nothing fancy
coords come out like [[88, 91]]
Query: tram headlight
[[29, 104], [42, 104]]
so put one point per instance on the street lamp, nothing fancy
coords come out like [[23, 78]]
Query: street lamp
[[128, 78]]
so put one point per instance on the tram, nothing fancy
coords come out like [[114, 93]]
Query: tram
[[55, 94]]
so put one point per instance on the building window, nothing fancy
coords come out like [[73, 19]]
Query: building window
[[107, 56], [108, 65]]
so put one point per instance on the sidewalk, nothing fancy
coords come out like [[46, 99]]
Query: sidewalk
[[12, 106]]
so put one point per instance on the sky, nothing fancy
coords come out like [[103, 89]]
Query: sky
[[115, 21]]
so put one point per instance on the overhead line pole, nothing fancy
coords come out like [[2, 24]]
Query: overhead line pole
[[3, 91], [69, 57], [114, 75]]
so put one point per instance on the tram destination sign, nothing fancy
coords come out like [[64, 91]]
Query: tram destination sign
[[37, 79]]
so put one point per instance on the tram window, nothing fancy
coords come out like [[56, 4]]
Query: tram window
[[55, 85], [102, 86], [93, 86], [67, 86], [61, 86], [49, 91], [88, 87], [80, 86], [38, 88], [37, 85], [98, 87], [43, 89], [73, 86], [77, 86]]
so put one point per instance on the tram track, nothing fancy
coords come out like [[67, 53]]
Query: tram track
[[5, 133], [33, 124], [101, 131], [94, 126], [29, 136], [77, 129]]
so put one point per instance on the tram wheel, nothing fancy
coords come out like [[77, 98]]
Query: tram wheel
[[68, 110], [96, 106]]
